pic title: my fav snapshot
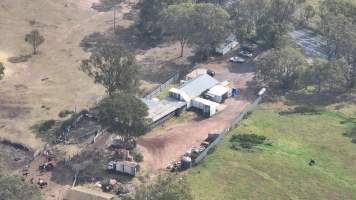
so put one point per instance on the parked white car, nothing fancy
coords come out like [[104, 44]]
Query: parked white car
[[246, 54], [237, 59]]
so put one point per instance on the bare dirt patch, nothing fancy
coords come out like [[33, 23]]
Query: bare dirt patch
[[164, 145]]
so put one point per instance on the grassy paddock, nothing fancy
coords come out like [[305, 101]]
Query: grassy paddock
[[281, 171]]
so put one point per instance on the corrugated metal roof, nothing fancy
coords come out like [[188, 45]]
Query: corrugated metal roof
[[206, 102], [198, 85], [218, 90], [160, 108]]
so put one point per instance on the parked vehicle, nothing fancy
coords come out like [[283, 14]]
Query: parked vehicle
[[246, 54], [125, 167], [237, 59], [210, 72]]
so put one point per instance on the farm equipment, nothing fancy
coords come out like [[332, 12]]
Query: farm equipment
[[46, 167], [126, 167], [42, 183]]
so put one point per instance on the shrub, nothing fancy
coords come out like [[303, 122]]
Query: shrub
[[19, 59], [308, 110], [247, 115], [211, 150], [65, 113], [137, 156], [353, 140], [246, 141], [46, 125]]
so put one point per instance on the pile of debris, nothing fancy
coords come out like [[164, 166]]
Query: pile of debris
[[191, 154], [79, 127]]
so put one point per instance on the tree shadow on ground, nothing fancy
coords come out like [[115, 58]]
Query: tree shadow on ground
[[319, 99], [241, 68], [130, 37], [91, 164], [46, 130], [106, 5], [20, 59]]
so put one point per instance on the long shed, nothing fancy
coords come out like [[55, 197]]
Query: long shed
[[193, 88]]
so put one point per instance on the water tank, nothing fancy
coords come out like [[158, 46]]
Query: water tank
[[186, 163], [262, 91], [234, 92]]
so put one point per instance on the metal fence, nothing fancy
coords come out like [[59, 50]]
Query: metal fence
[[163, 86], [233, 125]]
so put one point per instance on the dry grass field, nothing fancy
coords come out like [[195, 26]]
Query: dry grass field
[[47, 83], [25, 97]]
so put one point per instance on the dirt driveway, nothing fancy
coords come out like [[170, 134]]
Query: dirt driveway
[[162, 146]]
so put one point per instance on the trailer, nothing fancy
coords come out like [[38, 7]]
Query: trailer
[[209, 108], [126, 167], [229, 44]]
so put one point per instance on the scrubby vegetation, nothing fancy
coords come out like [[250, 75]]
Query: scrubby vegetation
[[246, 141], [13, 188], [137, 156]]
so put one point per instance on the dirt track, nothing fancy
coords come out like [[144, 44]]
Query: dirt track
[[162, 146]]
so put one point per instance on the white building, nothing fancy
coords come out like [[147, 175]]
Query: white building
[[193, 88], [218, 93], [229, 44], [209, 108]]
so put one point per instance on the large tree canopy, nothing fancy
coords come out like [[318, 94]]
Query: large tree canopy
[[281, 67], [177, 23], [203, 25], [267, 19], [338, 25], [35, 39], [13, 188], [149, 16], [124, 114], [211, 27], [113, 67]]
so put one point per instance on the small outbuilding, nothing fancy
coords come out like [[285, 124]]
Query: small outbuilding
[[229, 44], [218, 93], [208, 108]]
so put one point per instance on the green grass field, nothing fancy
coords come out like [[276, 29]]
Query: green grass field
[[281, 171]]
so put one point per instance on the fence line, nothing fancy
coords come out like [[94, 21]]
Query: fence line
[[233, 125], [163, 86]]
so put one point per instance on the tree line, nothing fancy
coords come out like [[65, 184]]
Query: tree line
[[285, 67], [206, 24]]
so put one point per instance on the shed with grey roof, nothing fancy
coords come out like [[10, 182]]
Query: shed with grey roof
[[198, 85], [161, 110], [193, 88]]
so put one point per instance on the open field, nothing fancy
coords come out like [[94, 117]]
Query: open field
[[281, 171], [49, 82], [39, 88]]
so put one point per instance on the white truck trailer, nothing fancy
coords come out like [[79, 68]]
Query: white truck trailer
[[125, 167]]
